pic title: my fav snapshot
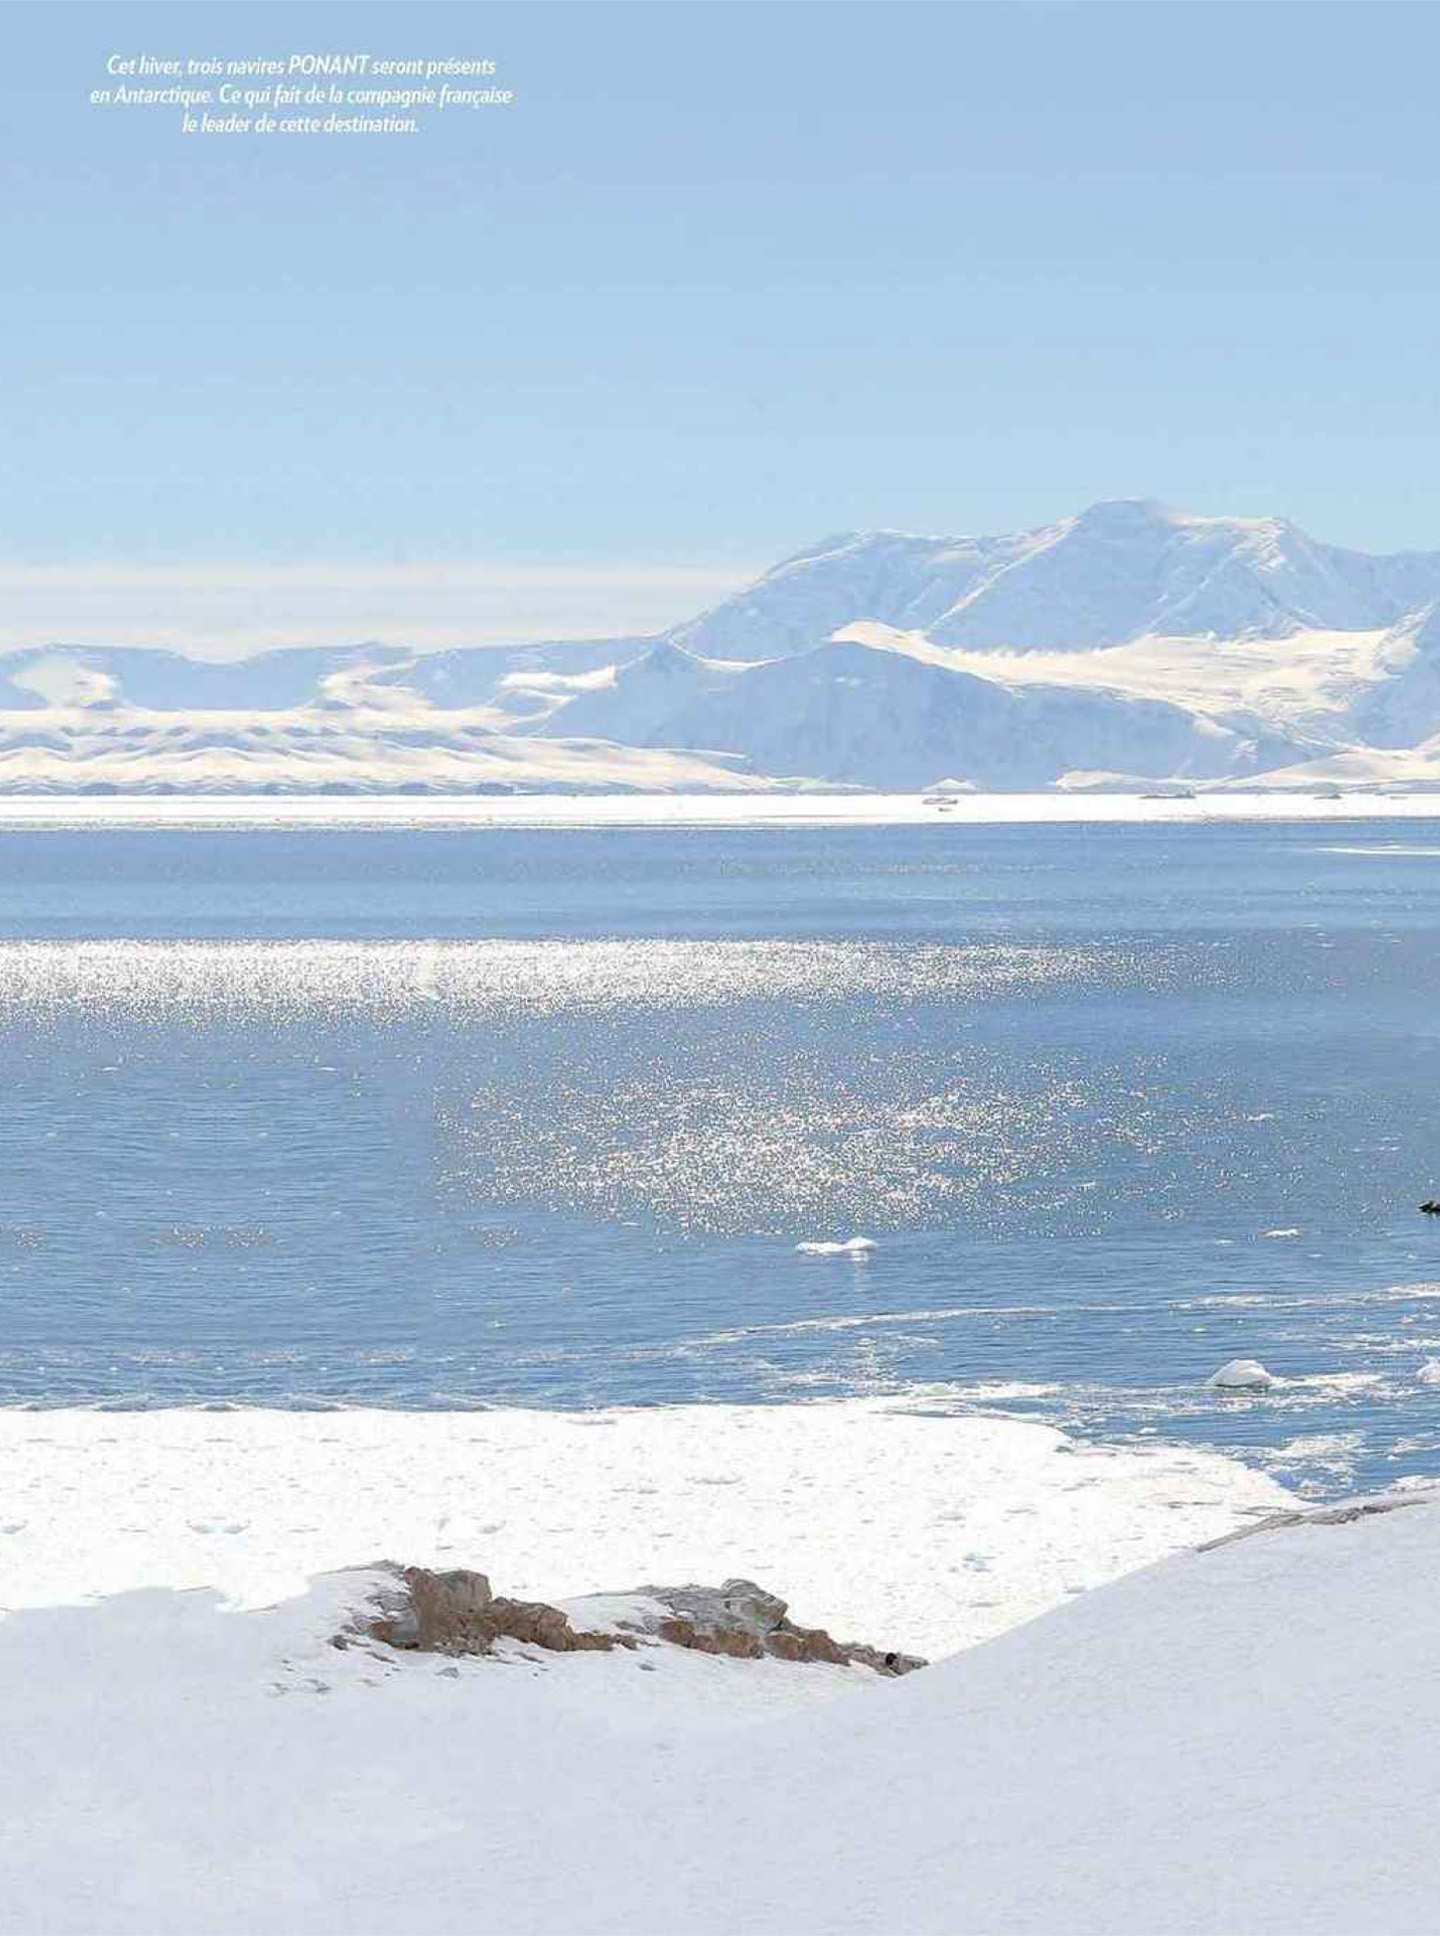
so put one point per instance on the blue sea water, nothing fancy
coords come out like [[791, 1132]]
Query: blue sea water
[[453, 1117]]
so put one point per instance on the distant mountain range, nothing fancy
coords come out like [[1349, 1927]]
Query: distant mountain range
[[1127, 646]]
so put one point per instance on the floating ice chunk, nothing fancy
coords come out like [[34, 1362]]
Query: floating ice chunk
[[1241, 1374], [1279, 1233], [855, 1247], [1429, 1372]]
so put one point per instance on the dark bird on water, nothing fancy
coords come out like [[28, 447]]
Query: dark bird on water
[[1431, 1209]]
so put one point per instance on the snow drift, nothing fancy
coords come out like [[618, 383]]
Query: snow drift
[[1239, 1738]]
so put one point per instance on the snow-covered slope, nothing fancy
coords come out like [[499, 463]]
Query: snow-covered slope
[[43, 676], [1238, 1739], [637, 702], [883, 717], [1117, 571], [1128, 640], [134, 751], [1400, 705], [331, 723]]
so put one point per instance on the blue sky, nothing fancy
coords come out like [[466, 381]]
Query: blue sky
[[725, 279]]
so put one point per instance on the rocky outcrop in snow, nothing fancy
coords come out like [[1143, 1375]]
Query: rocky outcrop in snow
[[417, 1610], [456, 1612], [744, 1621]]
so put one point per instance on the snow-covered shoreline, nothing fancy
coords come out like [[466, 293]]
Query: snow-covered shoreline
[[932, 1531], [698, 810], [1238, 1737]]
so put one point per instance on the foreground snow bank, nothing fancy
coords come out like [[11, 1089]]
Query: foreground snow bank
[[927, 1532], [1239, 1738]]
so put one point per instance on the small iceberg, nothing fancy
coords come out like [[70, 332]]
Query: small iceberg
[[1429, 1372], [1241, 1374], [855, 1247]]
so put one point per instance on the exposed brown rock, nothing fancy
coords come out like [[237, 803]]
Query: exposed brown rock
[[743, 1620], [547, 1626], [458, 1613], [701, 1640]]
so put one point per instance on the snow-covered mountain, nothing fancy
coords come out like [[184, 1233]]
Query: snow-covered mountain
[[358, 721], [1129, 643], [1118, 571], [882, 717], [1401, 706]]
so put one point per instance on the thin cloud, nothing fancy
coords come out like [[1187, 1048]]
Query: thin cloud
[[217, 609]]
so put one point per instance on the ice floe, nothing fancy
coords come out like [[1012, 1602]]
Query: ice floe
[[1241, 1374]]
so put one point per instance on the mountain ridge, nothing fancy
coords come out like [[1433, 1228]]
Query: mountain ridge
[[1121, 569], [1129, 640]]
